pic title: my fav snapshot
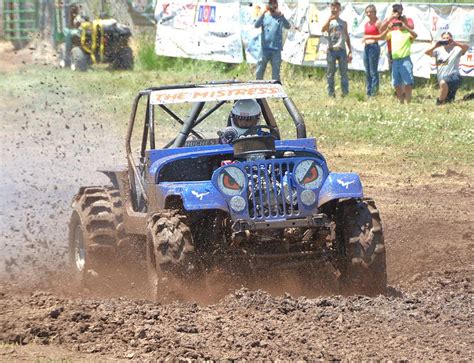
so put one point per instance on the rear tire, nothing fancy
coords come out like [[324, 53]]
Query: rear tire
[[361, 250], [79, 59], [95, 232], [124, 59]]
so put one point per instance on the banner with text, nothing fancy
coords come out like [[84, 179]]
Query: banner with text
[[199, 29], [224, 31]]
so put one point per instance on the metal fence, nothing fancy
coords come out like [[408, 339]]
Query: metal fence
[[19, 19]]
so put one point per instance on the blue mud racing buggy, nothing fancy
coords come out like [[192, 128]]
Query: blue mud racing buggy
[[198, 193]]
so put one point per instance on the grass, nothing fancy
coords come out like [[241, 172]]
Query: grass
[[352, 131]]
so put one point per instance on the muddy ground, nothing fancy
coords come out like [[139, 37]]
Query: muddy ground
[[51, 144]]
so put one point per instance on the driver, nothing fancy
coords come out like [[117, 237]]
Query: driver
[[245, 115]]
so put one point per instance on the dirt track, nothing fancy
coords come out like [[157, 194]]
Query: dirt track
[[50, 146]]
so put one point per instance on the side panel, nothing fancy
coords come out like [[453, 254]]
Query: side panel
[[134, 222], [340, 185], [195, 195]]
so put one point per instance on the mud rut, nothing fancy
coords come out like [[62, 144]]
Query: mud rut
[[51, 144]]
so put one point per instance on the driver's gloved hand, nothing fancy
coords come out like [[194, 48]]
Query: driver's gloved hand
[[228, 135]]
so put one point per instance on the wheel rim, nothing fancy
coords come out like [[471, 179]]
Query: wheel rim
[[79, 249]]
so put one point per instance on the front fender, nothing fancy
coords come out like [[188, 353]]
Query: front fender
[[340, 185], [195, 195]]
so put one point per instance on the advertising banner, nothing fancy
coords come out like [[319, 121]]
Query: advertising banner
[[223, 31], [294, 47], [249, 13], [199, 30], [430, 22]]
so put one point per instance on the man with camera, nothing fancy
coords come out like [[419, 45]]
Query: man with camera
[[338, 38], [401, 37], [447, 53], [394, 20], [272, 22]]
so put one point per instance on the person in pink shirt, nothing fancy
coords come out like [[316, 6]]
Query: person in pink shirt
[[371, 51]]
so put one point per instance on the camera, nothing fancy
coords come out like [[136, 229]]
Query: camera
[[397, 24], [443, 42]]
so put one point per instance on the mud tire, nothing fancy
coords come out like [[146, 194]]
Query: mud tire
[[95, 234], [123, 59], [79, 60], [170, 253], [361, 249]]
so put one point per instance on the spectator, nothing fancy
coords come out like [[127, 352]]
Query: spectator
[[338, 37], [395, 17], [272, 22], [371, 51], [402, 36], [447, 53]]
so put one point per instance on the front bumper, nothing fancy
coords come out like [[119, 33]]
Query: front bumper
[[313, 221]]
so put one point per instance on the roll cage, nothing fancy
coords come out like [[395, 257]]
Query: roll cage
[[194, 119]]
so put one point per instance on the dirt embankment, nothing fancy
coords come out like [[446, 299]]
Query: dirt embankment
[[52, 144]]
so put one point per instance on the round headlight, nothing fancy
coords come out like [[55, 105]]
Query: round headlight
[[237, 203], [308, 174], [308, 197], [231, 180]]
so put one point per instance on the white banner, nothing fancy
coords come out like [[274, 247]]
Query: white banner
[[294, 47], [430, 21], [220, 31], [251, 35], [199, 30]]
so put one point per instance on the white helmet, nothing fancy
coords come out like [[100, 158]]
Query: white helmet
[[245, 114]]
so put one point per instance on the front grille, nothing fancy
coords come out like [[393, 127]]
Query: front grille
[[270, 190]]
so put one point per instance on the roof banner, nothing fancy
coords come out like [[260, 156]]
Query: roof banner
[[239, 91]]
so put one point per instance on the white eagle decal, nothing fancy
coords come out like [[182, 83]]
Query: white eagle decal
[[199, 195]]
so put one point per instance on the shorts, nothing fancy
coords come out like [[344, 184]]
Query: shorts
[[454, 82], [402, 72]]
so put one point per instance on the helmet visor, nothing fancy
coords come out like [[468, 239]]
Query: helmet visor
[[245, 122]]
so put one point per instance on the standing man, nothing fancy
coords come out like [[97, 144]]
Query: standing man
[[402, 37], [447, 53], [338, 37], [394, 18], [272, 22]]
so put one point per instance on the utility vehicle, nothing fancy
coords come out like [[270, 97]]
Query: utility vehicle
[[85, 42], [191, 202]]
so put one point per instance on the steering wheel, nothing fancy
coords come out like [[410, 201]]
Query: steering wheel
[[254, 130]]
